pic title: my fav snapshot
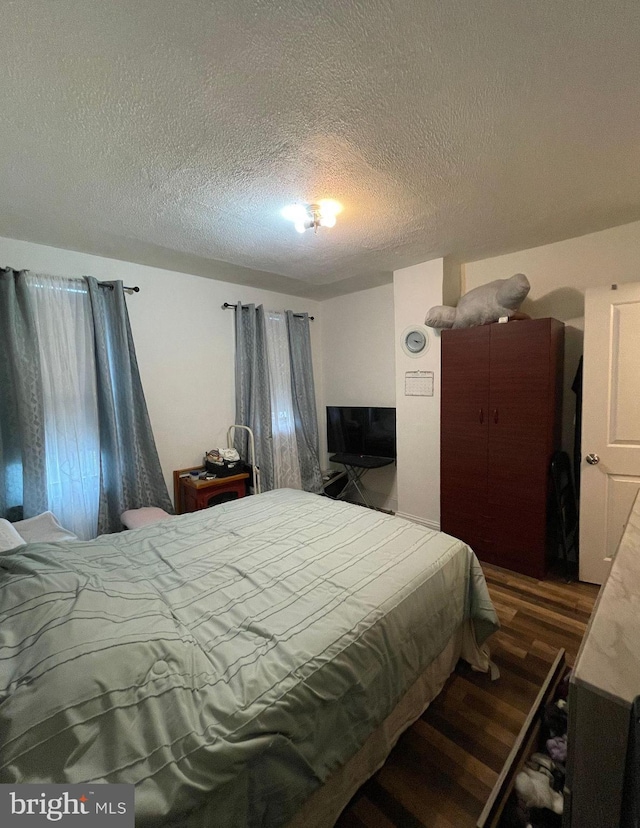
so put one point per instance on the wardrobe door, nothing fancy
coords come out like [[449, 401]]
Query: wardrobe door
[[464, 433], [522, 428]]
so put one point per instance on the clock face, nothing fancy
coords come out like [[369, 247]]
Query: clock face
[[415, 341]]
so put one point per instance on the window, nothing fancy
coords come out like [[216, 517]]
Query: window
[[72, 442]]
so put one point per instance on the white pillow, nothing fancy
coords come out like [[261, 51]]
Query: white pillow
[[44, 528], [9, 538], [135, 518]]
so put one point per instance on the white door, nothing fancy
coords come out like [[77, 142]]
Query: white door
[[610, 470]]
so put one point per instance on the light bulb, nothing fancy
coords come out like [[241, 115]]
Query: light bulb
[[329, 207], [294, 212], [320, 214]]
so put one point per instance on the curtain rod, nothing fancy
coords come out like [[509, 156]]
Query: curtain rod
[[233, 307], [134, 289]]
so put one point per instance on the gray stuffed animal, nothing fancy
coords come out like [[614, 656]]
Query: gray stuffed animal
[[483, 304]]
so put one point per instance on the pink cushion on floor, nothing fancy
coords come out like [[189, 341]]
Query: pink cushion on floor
[[135, 518]]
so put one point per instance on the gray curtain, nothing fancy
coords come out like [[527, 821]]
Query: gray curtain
[[23, 485], [304, 401], [253, 396], [131, 476]]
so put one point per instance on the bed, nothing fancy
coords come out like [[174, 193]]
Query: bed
[[248, 665]]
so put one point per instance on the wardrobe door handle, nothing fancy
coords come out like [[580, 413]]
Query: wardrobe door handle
[[495, 415], [481, 416]]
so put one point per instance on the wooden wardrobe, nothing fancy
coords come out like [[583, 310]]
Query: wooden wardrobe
[[500, 424]]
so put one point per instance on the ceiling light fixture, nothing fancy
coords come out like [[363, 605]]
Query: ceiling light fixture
[[306, 216]]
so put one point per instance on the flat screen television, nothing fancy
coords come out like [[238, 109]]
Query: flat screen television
[[363, 430]]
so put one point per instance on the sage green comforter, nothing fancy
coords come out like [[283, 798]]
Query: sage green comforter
[[225, 661]]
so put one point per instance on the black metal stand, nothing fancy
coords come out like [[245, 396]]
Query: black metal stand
[[355, 468]]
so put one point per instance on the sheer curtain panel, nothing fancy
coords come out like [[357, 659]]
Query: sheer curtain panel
[[72, 441]]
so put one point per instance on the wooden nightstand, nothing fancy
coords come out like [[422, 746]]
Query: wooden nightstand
[[193, 495]]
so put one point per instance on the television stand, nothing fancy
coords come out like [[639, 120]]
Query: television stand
[[355, 468]]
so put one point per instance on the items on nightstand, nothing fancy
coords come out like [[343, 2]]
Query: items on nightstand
[[220, 462]]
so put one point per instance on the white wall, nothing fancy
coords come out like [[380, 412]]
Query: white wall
[[416, 289], [358, 366], [559, 275], [184, 343]]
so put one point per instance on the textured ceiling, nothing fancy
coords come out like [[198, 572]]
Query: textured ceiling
[[172, 133]]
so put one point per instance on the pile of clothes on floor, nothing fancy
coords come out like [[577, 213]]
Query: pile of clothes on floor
[[537, 800]]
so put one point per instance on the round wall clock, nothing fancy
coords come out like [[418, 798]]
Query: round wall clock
[[415, 340]]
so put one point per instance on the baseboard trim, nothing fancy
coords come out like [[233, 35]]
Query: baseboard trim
[[423, 521], [378, 499]]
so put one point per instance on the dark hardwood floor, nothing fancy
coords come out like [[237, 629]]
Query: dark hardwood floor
[[443, 768]]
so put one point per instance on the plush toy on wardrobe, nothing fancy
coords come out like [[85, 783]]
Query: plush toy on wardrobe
[[483, 304]]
